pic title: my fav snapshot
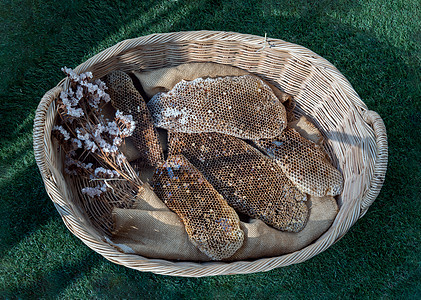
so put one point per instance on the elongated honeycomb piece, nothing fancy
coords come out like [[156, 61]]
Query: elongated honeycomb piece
[[211, 224], [126, 98], [251, 183], [304, 163], [242, 106]]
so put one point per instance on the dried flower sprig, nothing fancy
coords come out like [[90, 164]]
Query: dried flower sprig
[[95, 191], [85, 134]]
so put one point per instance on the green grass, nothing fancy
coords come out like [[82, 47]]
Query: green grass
[[376, 44]]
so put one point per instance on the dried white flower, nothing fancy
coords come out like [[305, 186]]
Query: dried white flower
[[117, 141], [128, 121], [77, 143], [71, 102], [113, 128], [101, 84], [70, 172], [85, 76], [92, 88], [86, 95], [101, 172], [120, 159], [63, 131], [71, 74], [79, 92], [77, 113], [93, 92], [106, 97], [95, 191]]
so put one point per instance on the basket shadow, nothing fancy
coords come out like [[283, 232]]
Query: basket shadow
[[51, 284], [25, 206]]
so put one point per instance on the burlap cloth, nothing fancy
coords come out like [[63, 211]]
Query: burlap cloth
[[152, 230]]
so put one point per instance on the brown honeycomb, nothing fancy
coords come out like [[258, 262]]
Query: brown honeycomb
[[304, 163], [212, 225], [242, 106], [126, 98], [251, 183]]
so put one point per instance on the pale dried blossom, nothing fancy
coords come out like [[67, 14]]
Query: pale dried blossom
[[95, 191], [101, 84], [112, 128], [117, 141], [86, 138], [128, 121], [70, 161], [120, 159], [71, 103], [85, 76], [71, 74], [79, 92], [82, 87], [76, 167], [63, 131], [76, 143], [80, 107], [101, 172]]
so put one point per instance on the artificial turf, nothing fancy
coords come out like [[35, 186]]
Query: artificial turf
[[376, 44]]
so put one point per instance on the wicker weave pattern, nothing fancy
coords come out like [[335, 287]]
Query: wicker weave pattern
[[357, 140]]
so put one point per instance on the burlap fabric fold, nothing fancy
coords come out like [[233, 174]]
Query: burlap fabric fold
[[164, 79], [152, 230]]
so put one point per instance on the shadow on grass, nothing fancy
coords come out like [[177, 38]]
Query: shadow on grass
[[51, 284], [369, 257], [24, 207], [26, 204]]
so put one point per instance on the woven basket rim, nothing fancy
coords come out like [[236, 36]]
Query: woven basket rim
[[73, 220]]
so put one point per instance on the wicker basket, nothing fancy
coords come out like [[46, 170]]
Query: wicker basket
[[356, 136]]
